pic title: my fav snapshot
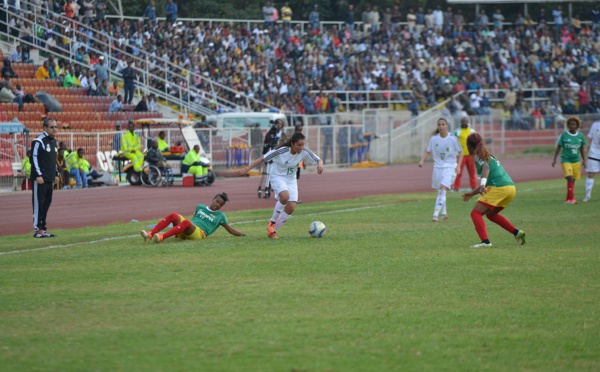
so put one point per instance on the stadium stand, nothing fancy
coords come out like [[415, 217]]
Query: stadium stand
[[240, 65], [279, 65]]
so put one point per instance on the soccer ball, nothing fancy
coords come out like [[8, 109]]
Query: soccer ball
[[317, 229]]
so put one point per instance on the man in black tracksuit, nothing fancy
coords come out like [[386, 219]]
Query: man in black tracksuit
[[44, 173]]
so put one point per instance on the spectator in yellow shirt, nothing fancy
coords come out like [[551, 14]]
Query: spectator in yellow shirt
[[286, 14], [43, 72]]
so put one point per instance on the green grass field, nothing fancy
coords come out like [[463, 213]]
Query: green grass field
[[386, 289]]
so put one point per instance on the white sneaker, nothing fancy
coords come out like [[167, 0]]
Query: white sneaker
[[482, 245], [147, 237], [520, 237], [444, 216], [434, 219], [586, 199]]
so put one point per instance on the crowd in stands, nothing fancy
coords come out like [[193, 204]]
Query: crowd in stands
[[69, 75], [431, 53], [12, 93]]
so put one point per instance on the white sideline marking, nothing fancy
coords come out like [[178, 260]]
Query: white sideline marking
[[541, 188], [137, 235], [318, 213], [68, 245], [238, 223]]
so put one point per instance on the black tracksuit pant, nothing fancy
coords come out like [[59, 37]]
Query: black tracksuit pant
[[41, 199]]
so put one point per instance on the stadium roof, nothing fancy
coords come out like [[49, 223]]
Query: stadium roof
[[515, 2]]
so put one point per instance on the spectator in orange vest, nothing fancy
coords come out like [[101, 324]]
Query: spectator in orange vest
[[70, 9], [113, 90]]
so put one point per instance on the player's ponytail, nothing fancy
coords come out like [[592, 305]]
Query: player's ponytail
[[297, 136], [223, 196], [477, 148]]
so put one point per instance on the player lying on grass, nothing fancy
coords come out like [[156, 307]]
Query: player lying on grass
[[206, 221], [497, 190]]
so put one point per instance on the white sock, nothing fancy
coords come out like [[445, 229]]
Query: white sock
[[443, 212], [283, 217], [276, 211], [589, 183], [439, 202]]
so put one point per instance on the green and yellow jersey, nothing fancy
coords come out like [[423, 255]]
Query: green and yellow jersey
[[498, 176], [571, 146], [208, 220]]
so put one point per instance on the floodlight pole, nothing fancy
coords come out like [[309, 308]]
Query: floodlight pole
[[118, 8]]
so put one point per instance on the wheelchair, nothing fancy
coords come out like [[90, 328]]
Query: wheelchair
[[153, 176]]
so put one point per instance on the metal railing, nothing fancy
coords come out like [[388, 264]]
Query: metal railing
[[300, 24], [352, 100], [394, 137], [209, 96], [166, 78]]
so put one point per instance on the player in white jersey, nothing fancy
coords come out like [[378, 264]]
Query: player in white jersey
[[593, 163], [284, 162], [447, 155]]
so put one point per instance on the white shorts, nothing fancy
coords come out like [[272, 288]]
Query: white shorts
[[280, 184], [593, 166], [443, 177]]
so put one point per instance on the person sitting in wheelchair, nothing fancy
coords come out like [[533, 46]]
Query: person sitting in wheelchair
[[156, 158]]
